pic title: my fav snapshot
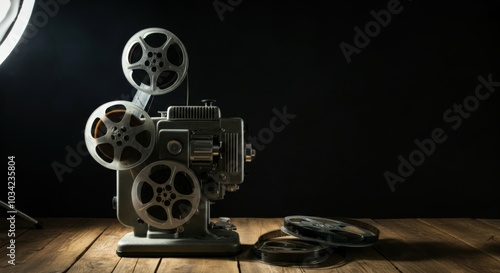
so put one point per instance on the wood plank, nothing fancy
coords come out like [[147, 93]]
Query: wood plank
[[249, 230], [402, 250], [358, 259], [35, 240], [65, 249], [411, 245], [199, 265], [21, 226], [137, 265], [418, 247], [474, 233], [491, 222], [101, 256], [365, 259], [4, 236]]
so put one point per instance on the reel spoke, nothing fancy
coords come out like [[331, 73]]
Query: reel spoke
[[127, 118], [188, 197], [153, 78], [137, 65], [167, 43], [170, 180], [137, 146], [174, 68], [144, 178], [144, 45], [170, 216], [118, 150], [109, 123], [147, 205], [101, 140]]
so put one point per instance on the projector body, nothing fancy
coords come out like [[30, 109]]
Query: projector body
[[213, 150], [169, 168]]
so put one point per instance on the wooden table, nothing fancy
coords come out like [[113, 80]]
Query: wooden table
[[405, 245]]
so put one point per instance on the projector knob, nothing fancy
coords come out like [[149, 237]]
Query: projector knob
[[174, 147], [249, 152], [208, 101]]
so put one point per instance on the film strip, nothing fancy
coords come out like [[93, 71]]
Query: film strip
[[309, 241]]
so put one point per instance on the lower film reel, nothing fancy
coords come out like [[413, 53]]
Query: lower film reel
[[273, 248], [119, 135], [166, 194], [155, 61], [331, 231]]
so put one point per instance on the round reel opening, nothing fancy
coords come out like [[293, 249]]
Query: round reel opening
[[166, 194], [155, 61], [119, 135]]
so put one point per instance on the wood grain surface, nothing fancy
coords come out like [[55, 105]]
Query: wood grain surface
[[77, 245]]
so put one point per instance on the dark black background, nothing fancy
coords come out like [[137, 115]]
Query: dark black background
[[352, 120]]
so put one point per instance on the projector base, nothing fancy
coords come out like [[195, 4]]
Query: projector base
[[225, 243]]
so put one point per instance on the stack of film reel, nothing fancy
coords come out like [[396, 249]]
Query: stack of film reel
[[313, 241], [120, 135]]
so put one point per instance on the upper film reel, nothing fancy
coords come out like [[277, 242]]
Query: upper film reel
[[119, 135], [166, 194], [155, 61]]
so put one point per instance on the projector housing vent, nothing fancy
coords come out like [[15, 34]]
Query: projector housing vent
[[193, 113]]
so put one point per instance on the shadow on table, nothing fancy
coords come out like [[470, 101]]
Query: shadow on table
[[397, 250], [394, 250], [334, 257]]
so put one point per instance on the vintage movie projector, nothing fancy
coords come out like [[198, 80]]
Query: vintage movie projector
[[172, 167]]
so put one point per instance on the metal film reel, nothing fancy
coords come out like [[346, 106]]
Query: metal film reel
[[331, 231], [166, 194], [119, 135], [272, 248], [155, 61]]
